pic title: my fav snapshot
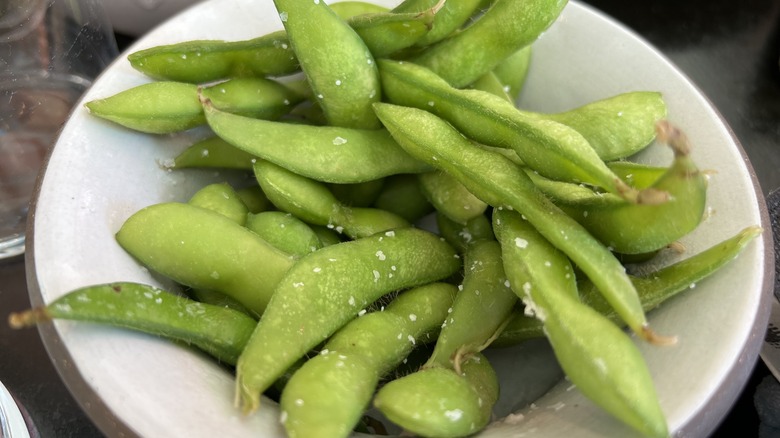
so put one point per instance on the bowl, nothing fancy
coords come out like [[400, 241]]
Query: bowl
[[132, 384]]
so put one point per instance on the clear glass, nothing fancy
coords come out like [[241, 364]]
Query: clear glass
[[50, 51]]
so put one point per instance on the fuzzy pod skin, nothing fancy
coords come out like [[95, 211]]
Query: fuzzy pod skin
[[486, 42], [343, 78], [639, 228], [653, 288], [325, 153], [501, 183], [284, 231], [328, 394], [326, 289], [482, 306], [438, 402], [221, 198], [201, 61], [203, 249], [450, 197], [596, 355], [314, 203], [218, 331], [388, 32], [553, 149]]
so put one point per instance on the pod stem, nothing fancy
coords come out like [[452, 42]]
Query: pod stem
[[28, 318]]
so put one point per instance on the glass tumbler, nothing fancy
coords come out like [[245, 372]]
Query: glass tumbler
[[50, 51]]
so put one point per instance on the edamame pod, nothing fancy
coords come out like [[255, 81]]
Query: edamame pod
[[450, 197], [596, 355], [653, 288], [203, 249], [481, 308], [388, 32], [553, 149], [462, 236], [616, 127], [254, 198], [326, 289], [167, 107], [213, 152], [401, 194], [640, 228], [284, 231], [218, 331], [438, 402], [223, 199], [451, 16], [513, 70], [313, 202], [481, 46], [344, 78], [357, 194], [325, 153], [327, 395], [499, 182], [349, 8], [202, 61]]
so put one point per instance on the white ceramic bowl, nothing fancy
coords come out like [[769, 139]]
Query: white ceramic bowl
[[132, 384]]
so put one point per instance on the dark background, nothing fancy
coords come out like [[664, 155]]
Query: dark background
[[729, 49]]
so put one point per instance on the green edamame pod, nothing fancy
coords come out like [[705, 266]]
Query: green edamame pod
[[357, 194], [462, 236], [490, 83], [327, 236], [313, 202], [166, 107], [327, 395], [325, 153], [596, 355], [653, 288], [284, 231], [482, 306], [203, 249], [204, 61], [451, 16], [155, 108], [499, 182], [343, 78], [513, 70], [388, 32], [254, 198], [640, 228], [439, 402], [213, 152], [636, 174], [326, 289], [219, 299], [616, 127], [553, 149], [401, 194], [450, 197], [481, 46], [223, 199], [348, 9], [218, 331]]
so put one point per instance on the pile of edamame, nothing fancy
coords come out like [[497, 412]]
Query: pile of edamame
[[355, 123]]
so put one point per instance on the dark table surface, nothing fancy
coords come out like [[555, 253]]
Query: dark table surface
[[731, 50]]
